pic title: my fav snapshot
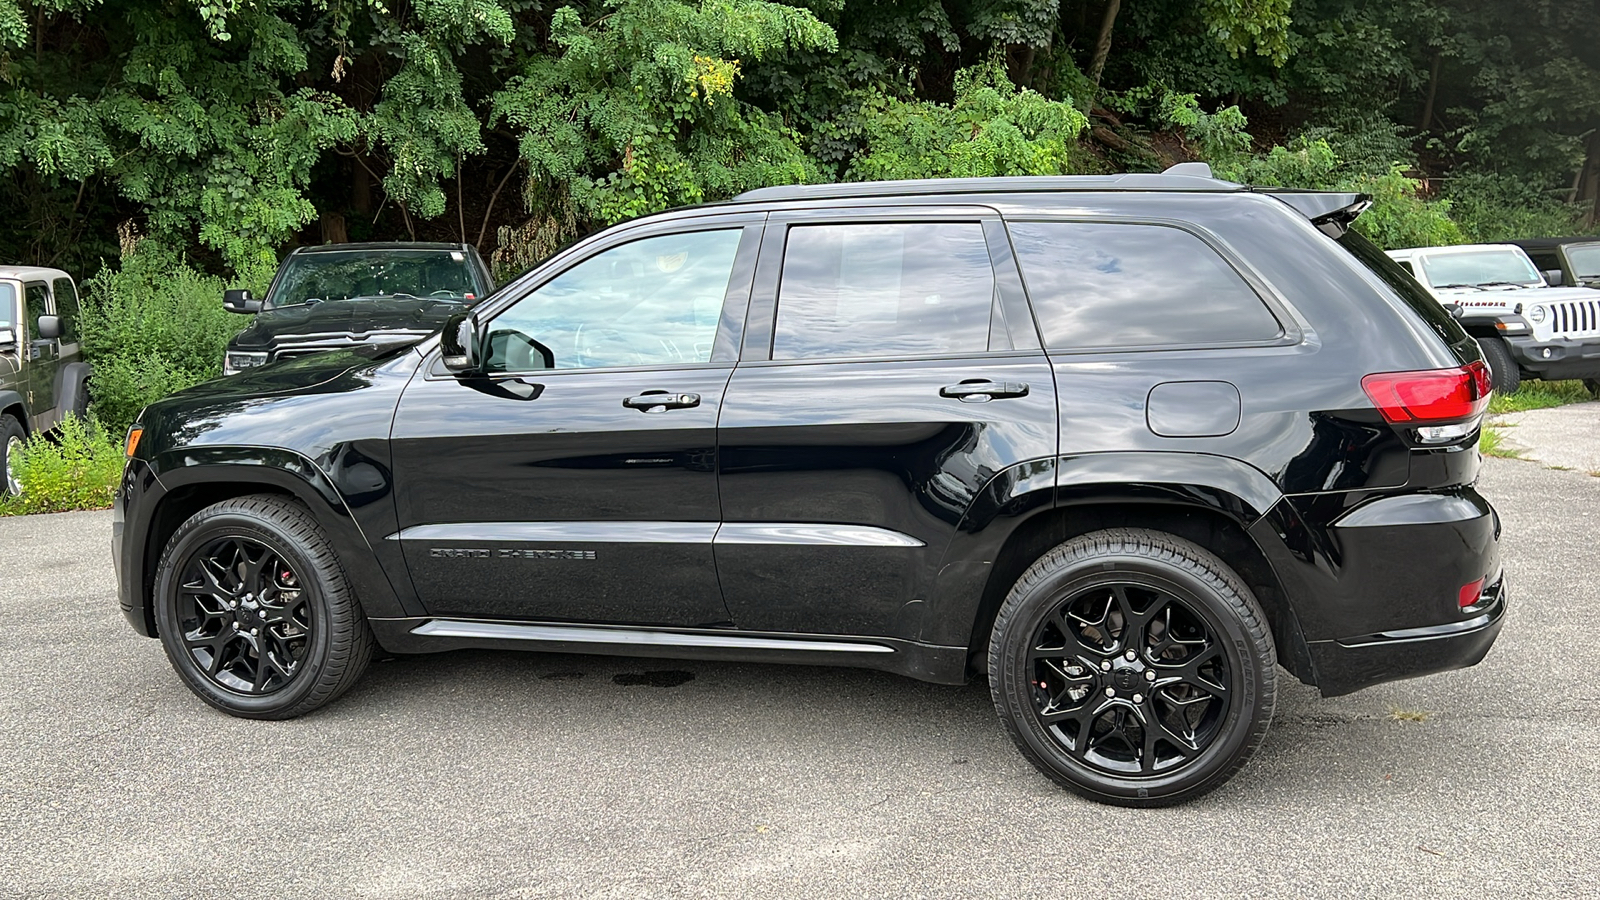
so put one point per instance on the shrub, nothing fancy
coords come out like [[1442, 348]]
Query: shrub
[[76, 467], [1493, 208], [154, 326]]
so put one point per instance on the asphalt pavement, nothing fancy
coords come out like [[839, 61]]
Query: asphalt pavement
[[1564, 436], [497, 774]]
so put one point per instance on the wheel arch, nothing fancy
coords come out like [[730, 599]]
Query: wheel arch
[[1208, 500], [194, 478], [11, 404]]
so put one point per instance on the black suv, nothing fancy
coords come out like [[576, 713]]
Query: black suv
[[337, 296], [1121, 444]]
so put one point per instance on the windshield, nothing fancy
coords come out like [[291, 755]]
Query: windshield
[[373, 274], [1479, 267], [1585, 259]]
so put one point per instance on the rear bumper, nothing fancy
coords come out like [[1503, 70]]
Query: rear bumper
[[1348, 665], [1557, 359]]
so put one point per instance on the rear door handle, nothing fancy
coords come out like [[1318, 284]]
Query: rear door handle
[[661, 401], [981, 391]]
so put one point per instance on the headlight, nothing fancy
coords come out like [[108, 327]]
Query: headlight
[[1536, 314], [236, 361]]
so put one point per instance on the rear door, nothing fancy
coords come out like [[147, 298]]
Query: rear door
[[890, 371]]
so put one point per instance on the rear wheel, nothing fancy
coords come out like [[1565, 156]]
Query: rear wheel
[[1133, 667], [11, 438], [1503, 372], [254, 610]]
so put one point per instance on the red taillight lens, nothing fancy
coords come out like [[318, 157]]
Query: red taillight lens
[[1470, 593], [1433, 395]]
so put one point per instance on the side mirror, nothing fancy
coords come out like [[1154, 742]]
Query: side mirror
[[8, 337], [49, 328], [1454, 309], [1553, 277], [458, 344], [239, 300]]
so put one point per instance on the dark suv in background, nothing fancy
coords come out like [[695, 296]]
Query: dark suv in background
[[350, 295], [1121, 444]]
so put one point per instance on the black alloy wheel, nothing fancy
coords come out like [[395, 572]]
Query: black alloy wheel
[[254, 610], [245, 620], [1133, 667]]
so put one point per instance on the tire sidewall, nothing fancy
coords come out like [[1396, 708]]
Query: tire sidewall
[[9, 428], [194, 535], [1245, 663]]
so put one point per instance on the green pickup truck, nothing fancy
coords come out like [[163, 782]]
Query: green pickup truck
[[42, 374]]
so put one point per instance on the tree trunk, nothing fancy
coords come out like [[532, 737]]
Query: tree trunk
[[1102, 47], [333, 229], [360, 188], [1589, 180], [1426, 121]]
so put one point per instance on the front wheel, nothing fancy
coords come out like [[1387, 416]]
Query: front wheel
[[254, 610], [1133, 667], [1503, 372], [11, 438]]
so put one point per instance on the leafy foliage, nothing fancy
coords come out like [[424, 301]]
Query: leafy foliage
[[76, 467], [152, 327]]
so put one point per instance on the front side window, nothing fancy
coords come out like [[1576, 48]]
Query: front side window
[[1097, 285], [337, 275], [870, 290], [37, 297], [67, 308], [654, 301], [1479, 268]]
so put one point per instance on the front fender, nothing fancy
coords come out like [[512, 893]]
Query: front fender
[[236, 470]]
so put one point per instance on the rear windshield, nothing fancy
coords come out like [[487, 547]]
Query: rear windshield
[[1403, 284], [375, 274]]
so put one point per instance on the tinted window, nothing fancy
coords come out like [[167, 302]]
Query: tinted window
[[66, 308], [884, 290], [654, 301], [38, 300], [1102, 285], [1414, 295]]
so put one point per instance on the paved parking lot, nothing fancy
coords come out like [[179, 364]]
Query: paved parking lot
[[481, 774]]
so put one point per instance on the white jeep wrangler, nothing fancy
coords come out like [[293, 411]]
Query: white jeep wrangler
[[1527, 328]]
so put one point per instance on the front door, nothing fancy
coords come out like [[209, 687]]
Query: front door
[[891, 371], [41, 356], [576, 480]]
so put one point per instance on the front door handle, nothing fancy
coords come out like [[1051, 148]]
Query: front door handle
[[982, 391], [661, 401]]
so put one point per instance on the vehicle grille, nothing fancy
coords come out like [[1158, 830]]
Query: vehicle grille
[[1576, 318], [306, 345]]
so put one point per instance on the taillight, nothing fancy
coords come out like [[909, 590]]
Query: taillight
[[1431, 396]]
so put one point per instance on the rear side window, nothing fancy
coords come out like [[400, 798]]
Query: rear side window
[[66, 308], [879, 290], [1099, 285], [1412, 292]]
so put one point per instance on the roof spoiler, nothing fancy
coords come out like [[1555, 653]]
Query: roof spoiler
[[1330, 211]]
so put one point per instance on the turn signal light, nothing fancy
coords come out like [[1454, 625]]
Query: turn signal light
[[132, 443], [1431, 395], [1470, 593]]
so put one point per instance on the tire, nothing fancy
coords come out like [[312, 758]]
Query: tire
[[11, 437], [1503, 372], [311, 640], [1203, 668]]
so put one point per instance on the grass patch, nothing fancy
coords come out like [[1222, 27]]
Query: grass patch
[[1398, 714], [77, 467], [1492, 443], [1540, 395]]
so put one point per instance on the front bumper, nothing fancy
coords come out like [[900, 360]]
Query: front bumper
[[1558, 358], [1348, 665]]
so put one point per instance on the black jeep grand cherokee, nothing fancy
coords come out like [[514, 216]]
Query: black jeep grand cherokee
[[1122, 444]]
